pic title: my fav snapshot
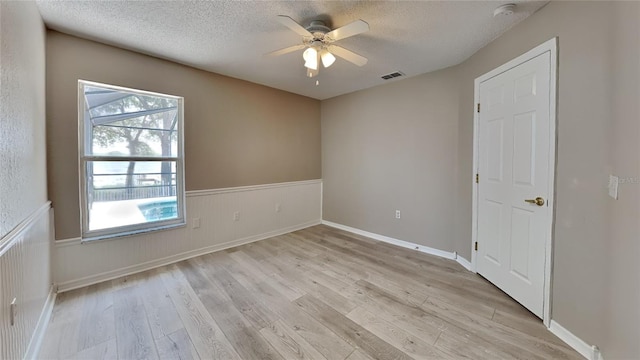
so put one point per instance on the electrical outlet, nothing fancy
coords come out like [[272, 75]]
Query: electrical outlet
[[236, 216], [277, 207], [613, 186], [397, 214], [195, 223]]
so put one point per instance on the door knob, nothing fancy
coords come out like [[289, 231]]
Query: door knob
[[538, 201]]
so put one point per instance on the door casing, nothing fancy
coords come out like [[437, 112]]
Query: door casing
[[550, 46]]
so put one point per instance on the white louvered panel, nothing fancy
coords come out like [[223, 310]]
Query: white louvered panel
[[24, 275], [13, 338], [77, 264]]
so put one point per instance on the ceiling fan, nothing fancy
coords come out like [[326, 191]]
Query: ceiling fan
[[318, 40]]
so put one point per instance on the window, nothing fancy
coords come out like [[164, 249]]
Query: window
[[131, 160]]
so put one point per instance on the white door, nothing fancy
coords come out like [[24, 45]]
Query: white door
[[514, 171]]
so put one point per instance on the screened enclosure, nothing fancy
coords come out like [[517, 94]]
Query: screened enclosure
[[131, 160]]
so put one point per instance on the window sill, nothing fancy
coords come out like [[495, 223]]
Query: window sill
[[125, 234]]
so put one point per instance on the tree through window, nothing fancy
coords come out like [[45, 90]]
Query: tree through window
[[131, 157]]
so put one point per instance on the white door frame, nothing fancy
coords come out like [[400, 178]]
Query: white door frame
[[551, 47]]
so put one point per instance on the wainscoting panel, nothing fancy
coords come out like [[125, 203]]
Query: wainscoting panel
[[26, 277], [263, 211]]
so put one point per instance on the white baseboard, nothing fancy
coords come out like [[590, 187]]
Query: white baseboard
[[462, 261], [390, 240], [588, 351], [130, 270], [41, 328]]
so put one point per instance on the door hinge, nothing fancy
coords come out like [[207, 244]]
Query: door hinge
[[477, 178], [476, 246], [478, 107]]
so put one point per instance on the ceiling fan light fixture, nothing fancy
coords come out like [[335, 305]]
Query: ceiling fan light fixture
[[311, 65], [309, 54], [310, 57], [312, 72], [327, 58]]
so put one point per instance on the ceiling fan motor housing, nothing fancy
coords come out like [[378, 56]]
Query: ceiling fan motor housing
[[318, 28]]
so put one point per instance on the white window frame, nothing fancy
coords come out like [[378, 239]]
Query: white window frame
[[127, 230]]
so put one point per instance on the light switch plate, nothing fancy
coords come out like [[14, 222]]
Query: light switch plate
[[613, 186], [13, 311]]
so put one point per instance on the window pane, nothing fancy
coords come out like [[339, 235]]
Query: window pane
[[121, 193], [123, 123], [121, 141]]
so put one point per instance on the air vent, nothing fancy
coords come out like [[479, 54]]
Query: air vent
[[392, 75]]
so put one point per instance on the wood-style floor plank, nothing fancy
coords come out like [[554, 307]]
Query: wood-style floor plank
[[289, 343], [205, 334], [318, 293], [133, 334], [418, 316], [414, 291], [161, 312], [329, 344], [107, 350], [241, 298], [98, 324], [394, 335], [525, 344], [176, 345], [246, 340], [310, 285], [247, 268], [62, 337], [359, 355], [349, 330]]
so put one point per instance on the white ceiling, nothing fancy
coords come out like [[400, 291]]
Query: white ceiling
[[230, 37]]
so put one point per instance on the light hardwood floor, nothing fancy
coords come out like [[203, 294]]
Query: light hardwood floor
[[317, 293]]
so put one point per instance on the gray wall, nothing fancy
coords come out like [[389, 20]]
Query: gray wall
[[236, 133], [623, 241], [23, 176], [391, 147]]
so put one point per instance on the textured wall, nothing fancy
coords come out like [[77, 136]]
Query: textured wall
[[236, 133], [23, 179], [25, 236], [394, 147]]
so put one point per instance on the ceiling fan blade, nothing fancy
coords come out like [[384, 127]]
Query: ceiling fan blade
[[354, 28], [291, 24], [286, 50], [348, 55]]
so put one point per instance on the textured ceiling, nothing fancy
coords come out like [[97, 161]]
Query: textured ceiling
[[230, 37]]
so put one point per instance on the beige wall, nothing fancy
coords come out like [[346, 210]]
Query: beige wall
[[393, 147], [623, 244], [236, 133], [23, 175]]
